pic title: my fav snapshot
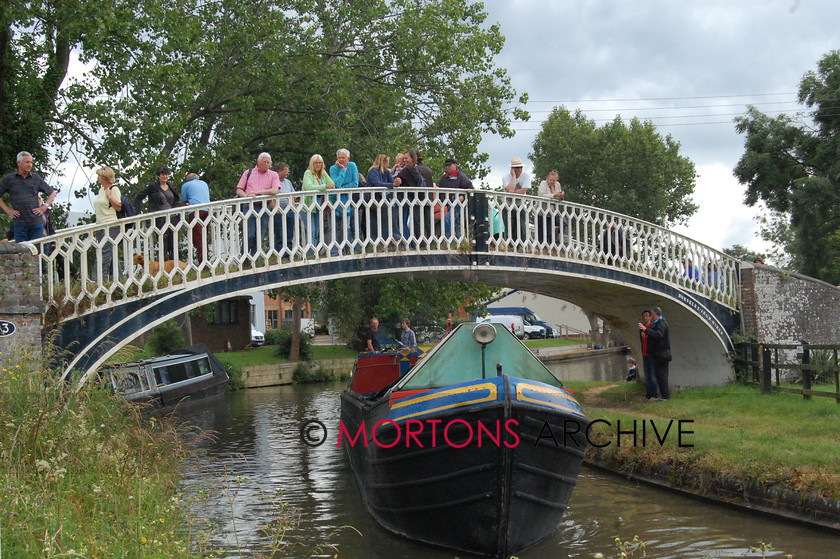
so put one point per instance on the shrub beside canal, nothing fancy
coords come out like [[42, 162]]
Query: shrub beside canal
[[84, 475]]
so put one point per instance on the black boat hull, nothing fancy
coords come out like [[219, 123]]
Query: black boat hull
[[493, 499]]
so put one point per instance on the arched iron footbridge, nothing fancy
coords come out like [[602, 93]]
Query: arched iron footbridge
[[607, 263]]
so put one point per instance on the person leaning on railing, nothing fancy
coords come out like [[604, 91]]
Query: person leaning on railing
[[408, 176], [454, 178], [106, 205], [161, 197], [518, 182], [315, 179], [424, 212], [258, 181], [193, 192], [345, 174], [284, 224], [549, 225], [379, 176]]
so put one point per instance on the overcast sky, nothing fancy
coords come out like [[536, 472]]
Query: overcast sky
[[689, 67]]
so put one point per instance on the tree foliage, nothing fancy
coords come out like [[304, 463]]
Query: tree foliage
[[352, 303], [793, 167], [628, 169], [743, 254], [206, 86]]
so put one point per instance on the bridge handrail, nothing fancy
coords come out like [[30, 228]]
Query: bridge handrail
[[72, 258]]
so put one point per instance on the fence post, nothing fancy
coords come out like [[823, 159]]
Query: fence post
[[806, 373], [478, 211], [755, 353], [836, 379], [766, 379]]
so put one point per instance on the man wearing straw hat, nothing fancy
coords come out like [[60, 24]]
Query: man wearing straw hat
[[519, 182]]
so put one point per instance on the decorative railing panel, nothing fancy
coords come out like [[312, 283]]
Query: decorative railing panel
[[293, 229]]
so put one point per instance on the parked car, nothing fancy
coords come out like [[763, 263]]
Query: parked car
[[516, 325], [429, 334], [257, 337], [528, 316]]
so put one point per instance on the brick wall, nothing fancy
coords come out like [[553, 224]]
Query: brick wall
[[781, 307], [216, 336], [20, 301]]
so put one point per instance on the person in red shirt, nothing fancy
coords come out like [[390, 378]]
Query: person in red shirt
[[651, 385]]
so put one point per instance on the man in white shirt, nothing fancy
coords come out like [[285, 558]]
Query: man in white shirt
[[519, 182]]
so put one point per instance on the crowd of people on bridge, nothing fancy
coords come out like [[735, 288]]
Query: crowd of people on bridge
[[326, 191], [31, 196], [328, 207]]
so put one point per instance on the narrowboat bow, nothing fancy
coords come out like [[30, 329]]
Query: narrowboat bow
[[458, 453]]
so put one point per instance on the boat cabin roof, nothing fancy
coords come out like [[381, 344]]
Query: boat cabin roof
[[457, 358]]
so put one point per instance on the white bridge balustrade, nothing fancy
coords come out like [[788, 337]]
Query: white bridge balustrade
[[371, 222]]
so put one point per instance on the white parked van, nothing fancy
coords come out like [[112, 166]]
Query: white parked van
[[516, 325]]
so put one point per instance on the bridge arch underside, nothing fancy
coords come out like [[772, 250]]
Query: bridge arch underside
[[700, 327]]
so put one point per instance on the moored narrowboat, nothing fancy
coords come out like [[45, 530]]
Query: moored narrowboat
[[477, 447]]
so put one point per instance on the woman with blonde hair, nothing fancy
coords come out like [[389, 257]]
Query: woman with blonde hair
[[379, 176], [106, 205], [549, 225], [316, 178]]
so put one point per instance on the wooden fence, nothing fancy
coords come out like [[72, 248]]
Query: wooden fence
[[810, 370]]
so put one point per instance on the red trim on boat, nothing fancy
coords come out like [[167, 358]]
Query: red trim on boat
[[403, 394]]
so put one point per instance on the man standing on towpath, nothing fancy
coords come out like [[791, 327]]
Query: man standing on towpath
[[659, 346]]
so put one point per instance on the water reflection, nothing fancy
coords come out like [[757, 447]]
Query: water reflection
[[258, 454]]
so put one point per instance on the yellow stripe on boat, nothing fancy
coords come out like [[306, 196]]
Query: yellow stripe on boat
[[521, 387], [491, 396]]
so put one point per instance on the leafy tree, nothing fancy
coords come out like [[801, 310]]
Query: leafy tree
[[206, 86], [628, 169], [296, 294], [351, 303], [742, 253], [37, 39], [166, 338], [792, 166]]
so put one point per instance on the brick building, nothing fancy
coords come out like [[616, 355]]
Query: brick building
[[278, 313], [230, 319]]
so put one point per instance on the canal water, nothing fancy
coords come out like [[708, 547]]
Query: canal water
[[257, 472]]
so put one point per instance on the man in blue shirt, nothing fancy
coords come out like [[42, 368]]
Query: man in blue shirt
[[24, 188], [345, 174], [195, 191], [284, 223]]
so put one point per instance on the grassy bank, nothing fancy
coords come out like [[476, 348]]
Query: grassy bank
[[84, 475], [266, 355], [554, 342], [740, 436]]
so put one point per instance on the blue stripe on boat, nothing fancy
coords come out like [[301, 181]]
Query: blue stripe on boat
[[537, 393], [437, 401], [477, 392]]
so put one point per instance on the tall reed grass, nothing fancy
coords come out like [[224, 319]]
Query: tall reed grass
[[83, 474]]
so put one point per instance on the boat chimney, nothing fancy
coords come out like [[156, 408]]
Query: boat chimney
[[499, 369]]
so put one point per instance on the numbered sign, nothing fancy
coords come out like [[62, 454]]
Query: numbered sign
[[6, 328]]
